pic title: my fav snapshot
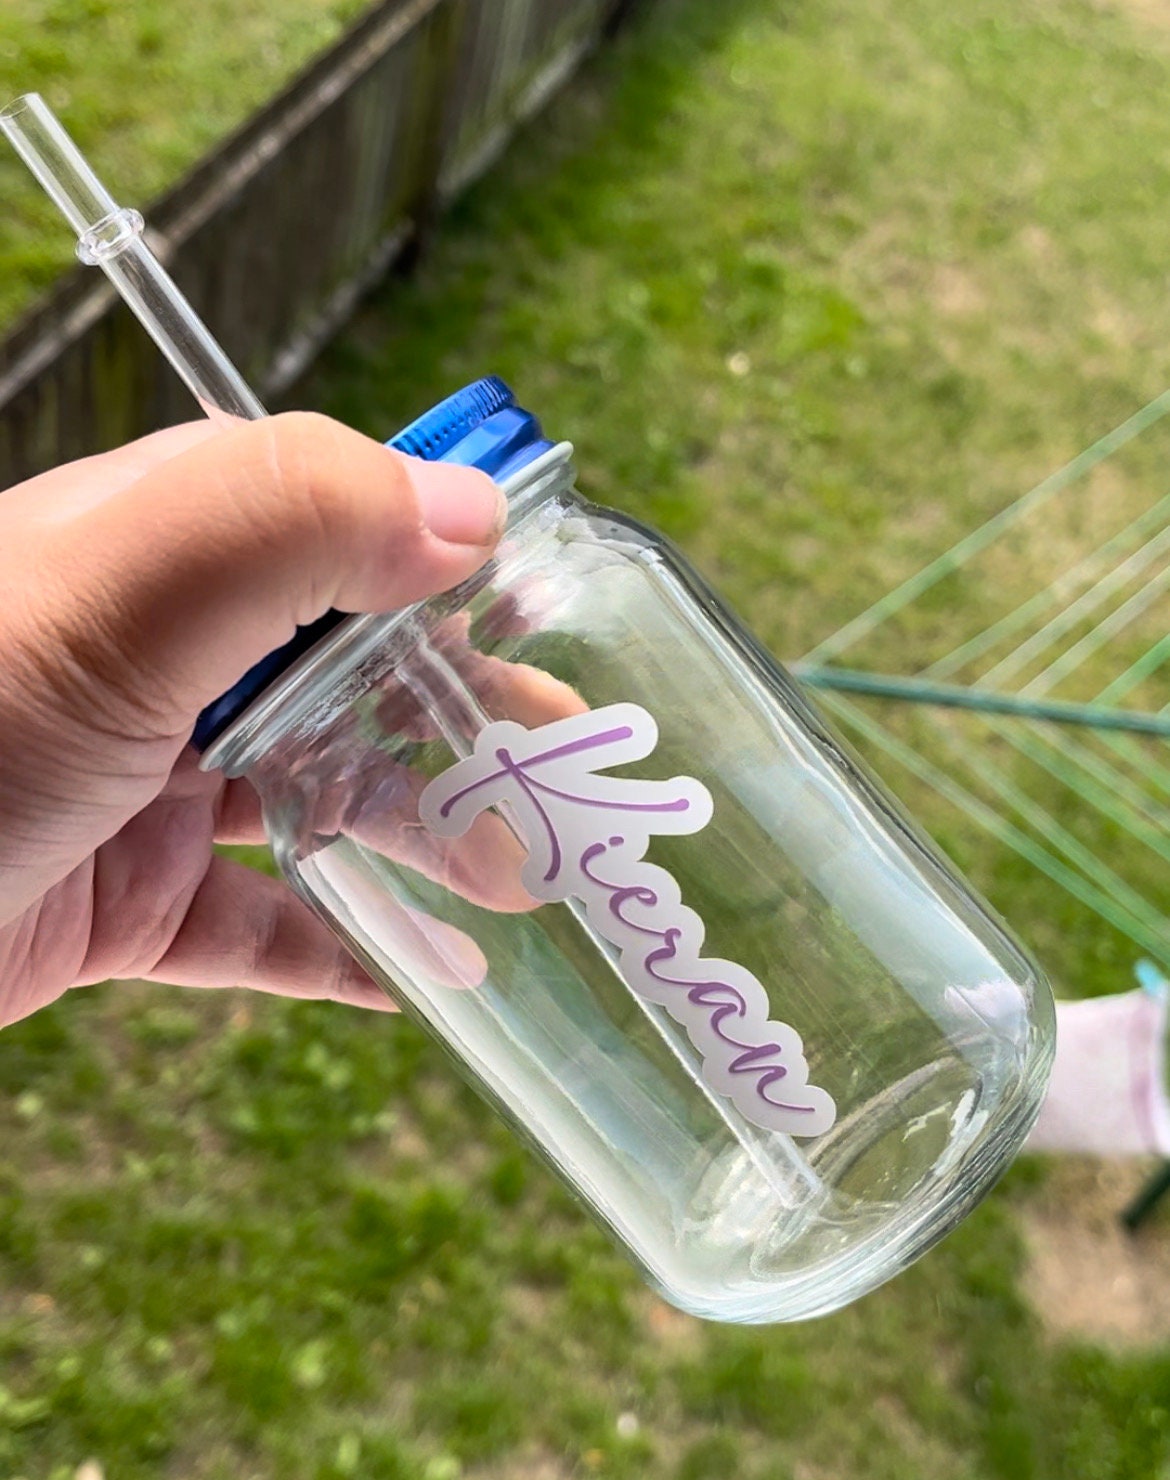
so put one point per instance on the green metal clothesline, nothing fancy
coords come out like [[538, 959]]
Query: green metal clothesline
[[984, 701], [1107, 751], [1054, 716]]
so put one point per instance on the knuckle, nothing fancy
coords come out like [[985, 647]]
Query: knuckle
[[339, 478], [303, 440], [325, 473], [301, 457]]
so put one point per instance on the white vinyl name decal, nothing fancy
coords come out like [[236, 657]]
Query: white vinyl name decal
[[586, 835]]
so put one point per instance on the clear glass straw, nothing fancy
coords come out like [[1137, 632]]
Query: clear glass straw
[[110, 236]]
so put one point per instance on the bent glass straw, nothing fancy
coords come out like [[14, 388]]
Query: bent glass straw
[[110, 236]]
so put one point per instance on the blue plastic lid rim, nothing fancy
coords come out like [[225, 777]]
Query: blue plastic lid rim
[[479, 426]]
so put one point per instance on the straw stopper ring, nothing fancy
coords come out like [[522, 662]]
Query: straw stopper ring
[[110, 236]]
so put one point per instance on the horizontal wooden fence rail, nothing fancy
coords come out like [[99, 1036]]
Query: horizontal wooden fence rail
[[276, 233]]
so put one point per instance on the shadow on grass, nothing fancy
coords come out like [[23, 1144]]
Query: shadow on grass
[[563, 182]]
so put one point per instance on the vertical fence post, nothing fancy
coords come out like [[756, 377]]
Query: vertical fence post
[[435, 123], [618, 13]]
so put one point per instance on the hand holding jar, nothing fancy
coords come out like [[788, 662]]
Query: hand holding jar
[[138, 584]]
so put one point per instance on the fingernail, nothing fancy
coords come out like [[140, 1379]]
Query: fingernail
[[460, 506]]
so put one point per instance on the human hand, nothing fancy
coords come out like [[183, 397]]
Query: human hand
[[137, 587]]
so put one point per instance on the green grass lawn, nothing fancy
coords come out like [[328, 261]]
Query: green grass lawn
[[145, 87], [816, 288]]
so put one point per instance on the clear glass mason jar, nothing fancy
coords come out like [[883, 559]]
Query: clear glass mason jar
[[585, 830]]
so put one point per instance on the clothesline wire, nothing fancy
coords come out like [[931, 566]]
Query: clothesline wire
[[980, 538], [1107, 755]]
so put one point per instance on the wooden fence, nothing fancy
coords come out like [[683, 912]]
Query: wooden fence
[[276, 234]]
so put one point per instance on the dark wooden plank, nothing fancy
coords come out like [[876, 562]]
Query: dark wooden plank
[[276, 233]]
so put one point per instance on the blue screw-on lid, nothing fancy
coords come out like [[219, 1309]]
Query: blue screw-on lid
[[481, 427]]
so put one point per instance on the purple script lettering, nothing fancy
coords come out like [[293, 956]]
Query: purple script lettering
[[586, 835]]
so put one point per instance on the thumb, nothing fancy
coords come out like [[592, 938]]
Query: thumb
[[178, 584]]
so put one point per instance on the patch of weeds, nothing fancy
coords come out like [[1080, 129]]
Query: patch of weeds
[[745, 1377], [713, 1457], [477, 1417]]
